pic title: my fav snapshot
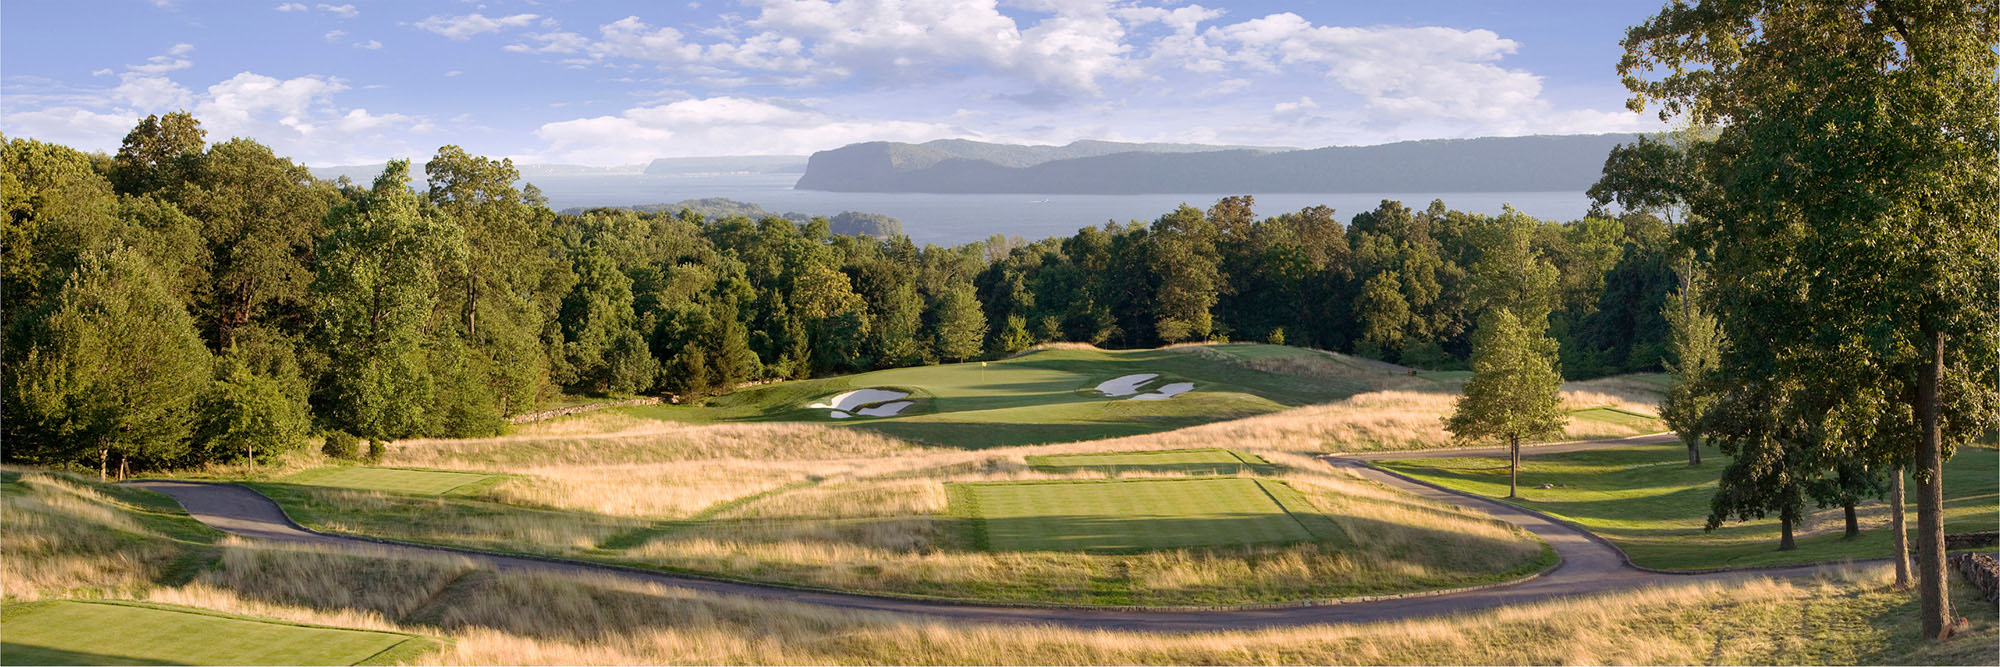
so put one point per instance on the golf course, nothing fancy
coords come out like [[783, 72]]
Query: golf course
[[1105, 507]]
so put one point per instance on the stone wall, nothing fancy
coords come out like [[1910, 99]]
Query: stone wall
[[1981, 570]]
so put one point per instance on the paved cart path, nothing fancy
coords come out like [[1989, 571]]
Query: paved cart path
[[1589, 564]]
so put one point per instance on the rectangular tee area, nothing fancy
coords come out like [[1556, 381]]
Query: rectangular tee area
[[1129, 516]]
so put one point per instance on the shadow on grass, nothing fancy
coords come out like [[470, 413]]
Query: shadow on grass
[[18, 653]]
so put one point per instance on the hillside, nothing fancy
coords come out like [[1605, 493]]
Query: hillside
[[1493, 164]]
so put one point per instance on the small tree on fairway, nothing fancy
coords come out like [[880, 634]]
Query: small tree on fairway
[[1514, 393]]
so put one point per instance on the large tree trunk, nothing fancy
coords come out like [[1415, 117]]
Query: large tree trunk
[[1785, 541], [1853, 522], [1694, 451], [1514, 470], [1899, 534], [1932, 587]]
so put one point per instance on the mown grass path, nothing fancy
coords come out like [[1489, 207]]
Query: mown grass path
[[1590, 565]]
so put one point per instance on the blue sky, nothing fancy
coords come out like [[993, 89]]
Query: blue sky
[[616, 83]]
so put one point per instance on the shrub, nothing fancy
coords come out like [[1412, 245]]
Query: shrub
[[376, 448], [341, 445]]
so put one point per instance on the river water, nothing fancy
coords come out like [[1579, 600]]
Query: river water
[[950, 219]]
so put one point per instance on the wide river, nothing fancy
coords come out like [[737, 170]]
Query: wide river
[[955, 219]]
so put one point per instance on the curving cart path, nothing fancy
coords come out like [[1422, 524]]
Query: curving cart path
[[1589, 564]]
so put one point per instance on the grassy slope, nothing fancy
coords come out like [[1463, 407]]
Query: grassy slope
[[1040, 397], [397, 480], [1653, 505], [66, 632], [68, 537], [1210, 461]]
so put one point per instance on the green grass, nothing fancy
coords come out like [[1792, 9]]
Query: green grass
[[1653, 505], [1445, 376], [1212, 461], [1129, 516], [393, 480], [1037, 398], [1614, 416], [75, 632]]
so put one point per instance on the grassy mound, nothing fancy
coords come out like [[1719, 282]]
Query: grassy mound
[[1652, 504], [72, 632]]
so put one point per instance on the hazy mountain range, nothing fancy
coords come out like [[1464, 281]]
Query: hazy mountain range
[[1494, 164]]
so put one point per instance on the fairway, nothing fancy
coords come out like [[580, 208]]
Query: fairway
[[74, 632], [393, 480], [1613, 416], [1214, 460], [1040, 397], [1652, 504], [1130, 515]]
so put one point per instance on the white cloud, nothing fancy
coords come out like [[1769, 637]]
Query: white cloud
[[291, 7], [150, 92], [334, 35], [236, 102], [718, 126], [73, 126], [370, 45], [343, 11], [465, 27]]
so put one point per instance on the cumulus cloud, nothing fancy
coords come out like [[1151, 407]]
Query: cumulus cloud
[[370, 45], [291, 7], [343, 11], [718, 126], [465, 27]]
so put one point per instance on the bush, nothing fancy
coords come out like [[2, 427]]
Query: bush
[[376, 448], [342, 445]]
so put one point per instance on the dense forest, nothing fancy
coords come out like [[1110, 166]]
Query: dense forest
[[183, 301]]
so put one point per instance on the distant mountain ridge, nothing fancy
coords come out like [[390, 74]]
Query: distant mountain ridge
[[1492, 164], [756, 164]]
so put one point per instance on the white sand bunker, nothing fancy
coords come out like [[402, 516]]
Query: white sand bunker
[[1124, 386], [865, 402], [1164, 393]]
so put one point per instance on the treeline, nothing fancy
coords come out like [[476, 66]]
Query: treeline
[[182, 302]]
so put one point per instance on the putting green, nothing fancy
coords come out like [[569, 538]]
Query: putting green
[[77, 632], [1126, 516], [1040, 397], [1213, 460], [393, 480]]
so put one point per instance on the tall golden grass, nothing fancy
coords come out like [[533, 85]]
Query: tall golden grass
[[67, 539], [1846, 617]]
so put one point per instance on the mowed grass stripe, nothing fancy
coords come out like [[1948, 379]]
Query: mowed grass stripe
[[1613, 416], [74, 632], [393, 480], [1131, 516]]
